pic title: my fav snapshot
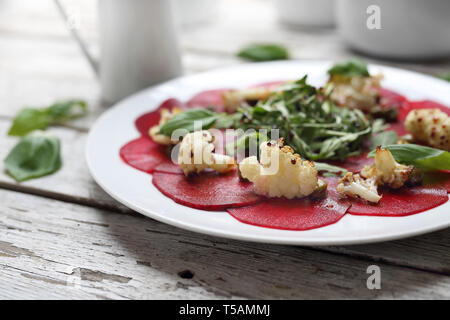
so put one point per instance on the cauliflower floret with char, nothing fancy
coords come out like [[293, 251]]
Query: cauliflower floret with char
[[386, 171], [196, 154], [281, 173], [154, 131], [429, 126], [352, 185], [356, 92]]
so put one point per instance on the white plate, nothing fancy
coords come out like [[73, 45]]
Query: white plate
[[135, 190]]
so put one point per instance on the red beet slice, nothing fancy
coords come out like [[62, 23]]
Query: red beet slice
[[150, 119], [402, 202], [169, 167], [391, 99], [143, 154], [206, 191], [296, 214], [354, 164], [207, 99], [425, 104]]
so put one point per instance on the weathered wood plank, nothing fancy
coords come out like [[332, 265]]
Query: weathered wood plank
[[429, 252], [72, 183], [50, 249]]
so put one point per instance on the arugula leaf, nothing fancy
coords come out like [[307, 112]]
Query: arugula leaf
[[30, 119], [188, 120], [309, 122], [445, 76], [425, 158], [330, 169], [249, 141], [264, 52], [36, 155], [350, 68], [384, 139]]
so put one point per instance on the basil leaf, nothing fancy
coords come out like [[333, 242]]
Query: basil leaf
[[264, 52], [350, 68], [36, 155], [31, 119], [188, 119], [27, 120], [384, 139], [425, 158], [67, 110], [330, 169]]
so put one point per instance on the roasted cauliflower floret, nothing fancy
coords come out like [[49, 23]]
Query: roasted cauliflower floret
[[196, 154], [429, 126], [386, 171], [280, 173], [356, 92], [352, 185], [234, 98], [154, 131]]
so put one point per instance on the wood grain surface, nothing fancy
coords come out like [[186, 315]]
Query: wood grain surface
[[62, 237]]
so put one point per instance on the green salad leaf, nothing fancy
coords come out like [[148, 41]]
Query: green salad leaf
[[30, 119], [36, 155], [264, 52], [330, 169], [188, 119], [425, 158], [384, 138], [350, 68], [309, 122], [248, 141]]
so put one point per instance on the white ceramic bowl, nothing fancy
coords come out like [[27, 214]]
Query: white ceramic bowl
[[410, 29], [317, 13]]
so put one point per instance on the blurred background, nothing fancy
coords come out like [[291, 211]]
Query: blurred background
[[40, 61]]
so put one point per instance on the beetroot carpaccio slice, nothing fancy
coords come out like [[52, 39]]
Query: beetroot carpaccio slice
[[295, 214], [391, 99], [403, 202], [206, 191], [210, 98], [150, 119], [143, 154]]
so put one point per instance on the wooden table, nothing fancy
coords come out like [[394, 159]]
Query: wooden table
[[62, 237]]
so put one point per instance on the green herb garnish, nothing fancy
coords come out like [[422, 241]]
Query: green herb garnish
[[308, 121], [36, 155], [329, 169], [350, 68], [264, 52], [425, 158], [30, 119], [188, 119], [246, 144], [384, 138]]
